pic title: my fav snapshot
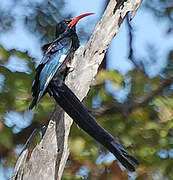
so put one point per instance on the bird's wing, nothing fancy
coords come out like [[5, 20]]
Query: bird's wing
[[55, 54], [50, 49]]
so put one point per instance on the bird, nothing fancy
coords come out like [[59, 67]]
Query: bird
[[56, 54], [49, 78]]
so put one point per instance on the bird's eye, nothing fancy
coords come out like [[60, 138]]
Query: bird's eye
[[67, 21]]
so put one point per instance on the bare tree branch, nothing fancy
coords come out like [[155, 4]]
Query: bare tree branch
[[48, 158], [131, 56], [129, 107], [148, 97], [20, 165]]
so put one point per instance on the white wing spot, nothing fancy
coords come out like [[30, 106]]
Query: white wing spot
[[62, 58]]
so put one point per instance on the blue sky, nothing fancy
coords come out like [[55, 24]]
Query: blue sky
[[147, 30]]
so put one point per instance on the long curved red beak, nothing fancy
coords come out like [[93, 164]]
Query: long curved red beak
[[76, 19]]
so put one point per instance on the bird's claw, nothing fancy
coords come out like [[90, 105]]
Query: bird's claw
[[70, 66]]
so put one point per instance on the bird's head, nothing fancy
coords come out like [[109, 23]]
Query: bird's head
[[68, 24]]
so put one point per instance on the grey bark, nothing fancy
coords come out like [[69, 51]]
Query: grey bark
[[49, 157]]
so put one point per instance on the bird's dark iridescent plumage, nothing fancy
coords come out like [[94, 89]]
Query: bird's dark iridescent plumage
[[50, 75], [81, 116], [55, 54]]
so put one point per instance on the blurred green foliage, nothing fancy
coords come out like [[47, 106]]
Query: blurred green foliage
[[146, 131]]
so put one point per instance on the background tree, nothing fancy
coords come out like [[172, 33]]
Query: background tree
[[143, 120]]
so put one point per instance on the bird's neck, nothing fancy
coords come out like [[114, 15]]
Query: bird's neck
[[75, 41]]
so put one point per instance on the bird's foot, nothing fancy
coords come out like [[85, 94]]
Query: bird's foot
[[70, 66]]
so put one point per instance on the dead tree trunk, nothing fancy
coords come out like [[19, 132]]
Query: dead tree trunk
[[49, 157]]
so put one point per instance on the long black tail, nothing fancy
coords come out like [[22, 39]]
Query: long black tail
[[79, 113]]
